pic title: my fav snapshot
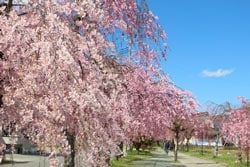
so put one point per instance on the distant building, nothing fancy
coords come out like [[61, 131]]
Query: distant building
[[21, 145], [205, 142], [212, 132]]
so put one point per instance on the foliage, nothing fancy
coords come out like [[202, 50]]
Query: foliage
[[67, 88], [236, 128], [179, 123]]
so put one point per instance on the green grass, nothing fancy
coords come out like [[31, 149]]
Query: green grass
[[225, 156], [131, 156]]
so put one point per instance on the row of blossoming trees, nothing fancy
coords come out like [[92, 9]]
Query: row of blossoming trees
[[222, 122], [68, 90]]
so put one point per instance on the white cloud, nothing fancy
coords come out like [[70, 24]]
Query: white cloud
[[217, 73]]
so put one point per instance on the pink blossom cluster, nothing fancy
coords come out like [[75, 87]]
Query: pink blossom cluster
[[60, 79], [236, 128]]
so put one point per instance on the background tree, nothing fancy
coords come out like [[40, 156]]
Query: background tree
[[190, 129], [204, 128], [217, 113], [147, 106], [236, 128], [2, 146], [182, 106]]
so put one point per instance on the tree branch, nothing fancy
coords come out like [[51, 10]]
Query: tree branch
[[9, 6]]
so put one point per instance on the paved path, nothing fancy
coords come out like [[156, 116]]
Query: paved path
[[21, 160], [160, 159], [190, 161], [25, 161]]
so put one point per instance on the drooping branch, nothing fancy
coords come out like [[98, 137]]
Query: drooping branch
[[8, 5]]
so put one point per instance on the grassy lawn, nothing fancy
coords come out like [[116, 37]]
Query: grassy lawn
[[225, 156], [131, 156]]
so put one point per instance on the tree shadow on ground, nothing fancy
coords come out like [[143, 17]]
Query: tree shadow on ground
[[14, 162]]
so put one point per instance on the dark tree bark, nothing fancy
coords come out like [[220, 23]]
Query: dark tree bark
[[121, 149], [187, 145], [202, 140], [239, 154], [216, 148], [69, 161], [247, 154], [176, 145], [137, 146], [9, 6]]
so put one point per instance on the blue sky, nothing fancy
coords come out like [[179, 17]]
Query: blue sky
[[209, 46]]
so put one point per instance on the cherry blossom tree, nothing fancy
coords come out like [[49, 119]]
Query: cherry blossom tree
[[2, 146], [62, 87], [191, 127], [156, 106], [203, 128], [147, 106], [181, 106], [217, 113], [236, 128]]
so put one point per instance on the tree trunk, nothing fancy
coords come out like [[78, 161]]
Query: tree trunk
[[137, 146], [121, 146], [182, 145], [121, 149], [176, 146], [247, 154], [187, 145], [239, 154], [202, 138], [216, 148], [69, 161], [9, 6]]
